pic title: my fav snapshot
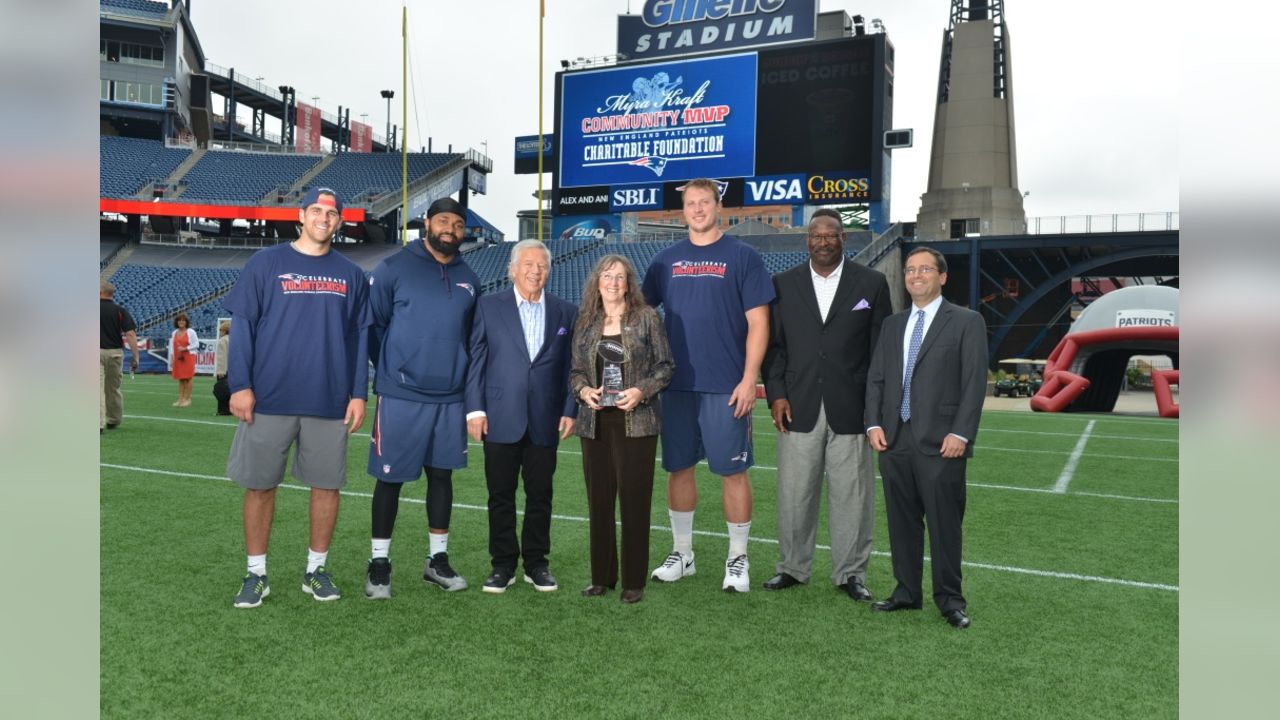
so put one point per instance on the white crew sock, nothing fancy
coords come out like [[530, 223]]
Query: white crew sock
[[439, 543], [381, 548], [738, 533], [315, 559], [682, 531], [258, 564]]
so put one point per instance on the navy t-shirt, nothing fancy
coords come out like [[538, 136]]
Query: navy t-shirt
[[298, 332], [705, 292]]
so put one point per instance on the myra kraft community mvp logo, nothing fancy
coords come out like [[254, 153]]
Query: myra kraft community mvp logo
[[295, 284]]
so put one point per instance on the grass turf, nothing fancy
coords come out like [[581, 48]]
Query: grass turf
[[1053, 634]]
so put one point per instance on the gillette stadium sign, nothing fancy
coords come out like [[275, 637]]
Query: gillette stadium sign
[[658, 122], [681, 27]]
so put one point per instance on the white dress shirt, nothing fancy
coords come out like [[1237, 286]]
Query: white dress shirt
[[825, 288]]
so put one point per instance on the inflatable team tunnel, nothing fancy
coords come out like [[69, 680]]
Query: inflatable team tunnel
[[1086, 370]]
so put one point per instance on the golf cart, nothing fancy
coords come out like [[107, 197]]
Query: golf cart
[[1019, 377]]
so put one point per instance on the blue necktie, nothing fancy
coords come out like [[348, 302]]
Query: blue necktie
[[913, 349]]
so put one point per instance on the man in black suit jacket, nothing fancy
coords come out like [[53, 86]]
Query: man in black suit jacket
[[924, 400], [825, 323], [518, 403]]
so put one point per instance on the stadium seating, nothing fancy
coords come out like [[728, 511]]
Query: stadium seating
[[146, 6], [152, 294], [242, 178], [354, 175], [125, 165]]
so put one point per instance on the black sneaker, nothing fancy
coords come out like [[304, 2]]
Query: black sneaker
[[377, 582], [542, 580], [439, 572], [499, 581]]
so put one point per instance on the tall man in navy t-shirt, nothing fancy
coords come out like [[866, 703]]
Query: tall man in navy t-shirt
[[298, 373], [423, 299], [716, 293]]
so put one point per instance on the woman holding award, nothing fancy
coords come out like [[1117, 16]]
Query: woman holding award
[[621, 361]]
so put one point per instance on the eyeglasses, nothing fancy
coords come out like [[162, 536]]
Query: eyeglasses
[[922, 270], [613, 278], [823, 238]]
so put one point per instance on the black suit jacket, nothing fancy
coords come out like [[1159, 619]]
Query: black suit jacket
[[811, 360], [947, 386], [520, 393]]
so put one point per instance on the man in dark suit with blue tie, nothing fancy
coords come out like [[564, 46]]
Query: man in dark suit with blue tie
[[518, 403], [924, 399]]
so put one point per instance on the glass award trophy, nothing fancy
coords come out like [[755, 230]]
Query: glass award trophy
[[613, 355]]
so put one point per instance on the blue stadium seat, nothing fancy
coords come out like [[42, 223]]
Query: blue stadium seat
[[125, 165]]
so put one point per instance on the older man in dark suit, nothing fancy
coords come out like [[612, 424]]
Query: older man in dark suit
[[518, 402], [924, 400], [825, 323]]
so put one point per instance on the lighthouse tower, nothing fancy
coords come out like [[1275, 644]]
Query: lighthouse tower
[[973, 165]]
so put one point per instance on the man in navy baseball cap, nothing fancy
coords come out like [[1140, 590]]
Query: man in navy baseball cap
[[322, 196]]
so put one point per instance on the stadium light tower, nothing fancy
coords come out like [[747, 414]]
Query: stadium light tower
[[388, 94]]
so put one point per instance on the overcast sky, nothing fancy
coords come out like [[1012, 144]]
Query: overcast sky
[[1095, 92]]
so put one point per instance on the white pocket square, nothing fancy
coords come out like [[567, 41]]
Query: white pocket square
[[862, 305]]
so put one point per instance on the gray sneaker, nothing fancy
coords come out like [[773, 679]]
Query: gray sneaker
[[251, 593], [377, 582], [439, 572], [320, 586]]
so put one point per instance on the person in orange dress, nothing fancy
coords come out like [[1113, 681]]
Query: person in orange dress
[[183, 345]]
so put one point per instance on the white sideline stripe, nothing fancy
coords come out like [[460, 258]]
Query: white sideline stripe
[[771, 467], [1074, 493], [706, 533], [1069, 470], [1067, 434], [1091, 455]]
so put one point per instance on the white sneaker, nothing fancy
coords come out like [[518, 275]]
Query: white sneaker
[[675, 567], [736, 575]]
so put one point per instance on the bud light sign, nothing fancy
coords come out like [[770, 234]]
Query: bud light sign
[[585, 227], [659, 122]]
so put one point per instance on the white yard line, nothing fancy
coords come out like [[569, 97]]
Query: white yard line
[[767, 541], [231, 425], [1069, 470]]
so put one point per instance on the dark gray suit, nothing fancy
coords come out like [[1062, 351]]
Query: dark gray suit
[[819, 366], [947, 390]]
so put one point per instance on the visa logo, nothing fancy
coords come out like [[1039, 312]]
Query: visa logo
[[776, 189]]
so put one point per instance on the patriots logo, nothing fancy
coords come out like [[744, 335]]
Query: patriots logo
[[653, 162], [467, 287], [740, 457], [294, 277]]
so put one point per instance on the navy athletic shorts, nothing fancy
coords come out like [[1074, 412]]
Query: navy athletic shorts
[[408, 436], [697, 425]]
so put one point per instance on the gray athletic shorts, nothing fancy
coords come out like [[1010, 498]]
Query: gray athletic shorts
[[258, 451]]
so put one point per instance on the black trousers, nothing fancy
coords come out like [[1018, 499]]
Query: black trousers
[[621, 468], [222, 393], [920, 487], [504, 465]]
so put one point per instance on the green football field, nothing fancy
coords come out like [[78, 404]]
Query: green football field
[[1071, 573]]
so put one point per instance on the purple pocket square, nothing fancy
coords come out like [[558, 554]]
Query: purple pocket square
[[862, 305], [561, 331]]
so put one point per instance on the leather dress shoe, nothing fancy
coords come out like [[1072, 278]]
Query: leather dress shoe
[[957, 619], [858, 591], [631, 597], [781, 581], [891, 605], [594, 590]]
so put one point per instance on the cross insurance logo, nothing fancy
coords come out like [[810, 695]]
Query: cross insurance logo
[[295, 284]]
